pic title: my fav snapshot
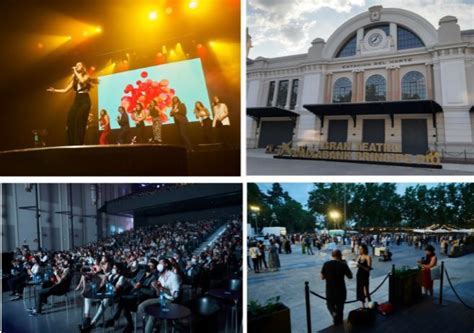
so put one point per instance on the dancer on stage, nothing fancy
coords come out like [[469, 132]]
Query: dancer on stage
[[105, 125], [124, 124], [202, 113], [221, 120], [139, 118], [178, 112], [81, 83], [158, 117]]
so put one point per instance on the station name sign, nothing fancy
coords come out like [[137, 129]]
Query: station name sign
[[378, 63], [380, 153]]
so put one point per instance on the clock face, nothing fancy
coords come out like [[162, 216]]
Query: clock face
[[375, 39]]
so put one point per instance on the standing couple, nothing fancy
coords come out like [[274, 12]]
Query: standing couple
[[334, 272]]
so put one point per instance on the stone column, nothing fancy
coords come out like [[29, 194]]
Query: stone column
[[288, 94], [389, 85], [429, 81], [396, 84], [328, 89], [355, 86], [360, 88], [275, 93]]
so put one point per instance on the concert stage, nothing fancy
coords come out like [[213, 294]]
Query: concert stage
[[121, 160]]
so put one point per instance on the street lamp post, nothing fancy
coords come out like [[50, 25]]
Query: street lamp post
[[334, 215], [255, 211]]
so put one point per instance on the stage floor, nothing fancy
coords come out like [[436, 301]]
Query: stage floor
[[121, 160]]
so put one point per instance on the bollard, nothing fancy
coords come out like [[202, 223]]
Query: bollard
[[308, 308], [441, 280]]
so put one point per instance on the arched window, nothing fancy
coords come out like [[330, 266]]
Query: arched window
[[413, 86], [349, 48], [407, 39], [342, 90], [375, 88]]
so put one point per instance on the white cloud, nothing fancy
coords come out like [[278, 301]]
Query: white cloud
[[282, 27]]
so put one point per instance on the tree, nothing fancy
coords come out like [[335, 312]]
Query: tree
[[376, 205], [276, 196], [327, 197]]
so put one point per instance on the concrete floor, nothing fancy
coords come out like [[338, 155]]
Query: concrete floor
[[259, 163], [297, 268], [55, 319]]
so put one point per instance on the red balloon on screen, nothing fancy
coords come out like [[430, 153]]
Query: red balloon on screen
[[144, 74]]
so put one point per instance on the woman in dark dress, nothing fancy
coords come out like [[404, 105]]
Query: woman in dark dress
[[78, 114], [364, 264]]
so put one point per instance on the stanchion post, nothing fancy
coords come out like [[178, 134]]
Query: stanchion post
[[441, 280], [391, 284], [308, 307]]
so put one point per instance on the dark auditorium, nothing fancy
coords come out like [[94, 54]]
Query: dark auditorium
[[121, 258]]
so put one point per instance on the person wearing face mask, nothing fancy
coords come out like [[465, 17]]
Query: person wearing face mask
[[113, 275], [63, 278], [168, 283], [192, 272], [141, 291]]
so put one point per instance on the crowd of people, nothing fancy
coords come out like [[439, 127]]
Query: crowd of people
[[335, 271], [140, 268]]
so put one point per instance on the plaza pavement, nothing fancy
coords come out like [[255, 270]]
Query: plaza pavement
[[296, 268], [259, 163]]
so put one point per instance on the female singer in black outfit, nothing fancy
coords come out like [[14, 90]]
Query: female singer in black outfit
[[78, 114], [364, 264]]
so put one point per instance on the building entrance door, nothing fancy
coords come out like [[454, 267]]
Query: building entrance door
[[337, 130], [373, 131], [275, 133], [414, 136]]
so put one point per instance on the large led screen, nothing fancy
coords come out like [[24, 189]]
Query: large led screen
[[184, 79]]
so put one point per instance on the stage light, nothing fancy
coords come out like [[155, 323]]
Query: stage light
[[153, 15], [193, 4], [69, 37], [98, 29], [199, 46], [40, 45], [85, 33], [227, 54], [169, 11]]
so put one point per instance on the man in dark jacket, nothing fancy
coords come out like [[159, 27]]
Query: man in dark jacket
[[178, 112], [333, 272]]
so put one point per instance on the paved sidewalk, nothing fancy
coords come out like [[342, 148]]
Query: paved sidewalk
[[296, 268], [259, 163]]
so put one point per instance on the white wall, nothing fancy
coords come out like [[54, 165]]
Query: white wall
[[19, 224]]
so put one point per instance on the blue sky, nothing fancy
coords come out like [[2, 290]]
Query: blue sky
[[284, 27], [299, 191]]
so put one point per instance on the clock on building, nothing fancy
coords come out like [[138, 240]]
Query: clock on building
[[375, 40]]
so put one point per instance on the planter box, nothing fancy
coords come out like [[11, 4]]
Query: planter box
[[277, 321], [405, 288]]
